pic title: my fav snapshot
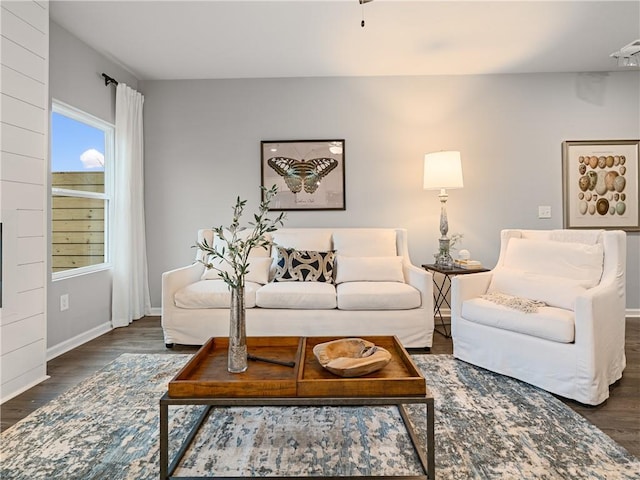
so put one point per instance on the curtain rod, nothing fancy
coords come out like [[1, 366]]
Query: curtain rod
[[108, 80]]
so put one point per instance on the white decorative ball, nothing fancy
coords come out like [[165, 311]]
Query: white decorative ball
[[464, 255]]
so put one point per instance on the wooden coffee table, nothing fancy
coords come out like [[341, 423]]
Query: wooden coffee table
[[204, 380]]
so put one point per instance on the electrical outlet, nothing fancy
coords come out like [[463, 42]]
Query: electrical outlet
[[64, 302], [544, 211]]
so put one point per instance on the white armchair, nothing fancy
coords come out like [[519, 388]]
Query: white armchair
[[551, 313]]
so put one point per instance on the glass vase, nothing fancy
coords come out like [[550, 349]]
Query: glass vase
[[237, 357]]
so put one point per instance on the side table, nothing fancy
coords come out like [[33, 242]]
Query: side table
[[442, 289]]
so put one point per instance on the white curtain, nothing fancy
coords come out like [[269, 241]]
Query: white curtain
[[130, 298]]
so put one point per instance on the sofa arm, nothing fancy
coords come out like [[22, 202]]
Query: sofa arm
[[174, 280], [465, 287], [422, 280]]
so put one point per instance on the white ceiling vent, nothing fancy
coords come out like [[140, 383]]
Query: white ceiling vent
[[629, 55], [628, 50]]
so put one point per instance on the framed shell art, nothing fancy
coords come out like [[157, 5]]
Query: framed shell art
[[309, 174], [600, 184]]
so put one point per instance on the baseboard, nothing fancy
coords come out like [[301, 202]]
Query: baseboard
[[23, 389], [155, 311], [78, 340], [633, 313]]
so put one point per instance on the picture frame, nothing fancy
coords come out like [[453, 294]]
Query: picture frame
[[309, 174], [600, 184]]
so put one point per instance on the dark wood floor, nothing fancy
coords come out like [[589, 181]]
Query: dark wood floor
[[619, 416]]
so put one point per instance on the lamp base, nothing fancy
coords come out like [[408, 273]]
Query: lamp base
[[443, 258]]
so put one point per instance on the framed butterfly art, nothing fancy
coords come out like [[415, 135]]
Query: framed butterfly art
[[309, 174]]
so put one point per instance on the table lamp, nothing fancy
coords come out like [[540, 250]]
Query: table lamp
[[443, 170]]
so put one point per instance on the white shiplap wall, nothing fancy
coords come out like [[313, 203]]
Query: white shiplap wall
[[24, 124]]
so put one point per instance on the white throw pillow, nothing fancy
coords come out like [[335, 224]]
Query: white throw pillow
[[258, 270], [554, 291], [303, 239], [368, 269], [365, 242], [575, 261]]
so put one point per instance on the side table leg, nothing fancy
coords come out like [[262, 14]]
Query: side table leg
[[440, 298]]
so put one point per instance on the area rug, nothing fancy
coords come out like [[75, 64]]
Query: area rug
[[487, 427]]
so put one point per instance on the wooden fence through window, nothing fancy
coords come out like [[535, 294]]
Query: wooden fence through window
[[77, 223]]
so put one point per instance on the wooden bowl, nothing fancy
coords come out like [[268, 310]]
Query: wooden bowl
[[351, 357]]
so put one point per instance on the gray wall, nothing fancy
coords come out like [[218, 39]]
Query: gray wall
[[202, 143], [74, 78]]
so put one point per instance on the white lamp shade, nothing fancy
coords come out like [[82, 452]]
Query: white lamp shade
[[442, 170]]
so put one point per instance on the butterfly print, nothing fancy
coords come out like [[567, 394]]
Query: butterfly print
[[299, 174]]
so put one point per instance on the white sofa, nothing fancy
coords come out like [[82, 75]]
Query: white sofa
[[573, 345], [377, 291]]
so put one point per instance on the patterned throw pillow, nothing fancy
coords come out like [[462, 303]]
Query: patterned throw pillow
[[304, 265]]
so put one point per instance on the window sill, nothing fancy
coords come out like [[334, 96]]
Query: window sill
[[77, 272]]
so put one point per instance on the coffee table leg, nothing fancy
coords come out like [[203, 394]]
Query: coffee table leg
[[164, 440], [431, 440], [428, 461], [167, 469]]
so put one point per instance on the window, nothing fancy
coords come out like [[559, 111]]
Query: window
[[81, 160]]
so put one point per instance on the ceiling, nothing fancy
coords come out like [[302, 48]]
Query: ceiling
[[302, 38]]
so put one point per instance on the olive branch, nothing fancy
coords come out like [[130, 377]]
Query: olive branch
[[237, 247]]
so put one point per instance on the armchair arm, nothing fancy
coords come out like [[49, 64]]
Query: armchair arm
[[465, 287], [600, 322], [599, 337]]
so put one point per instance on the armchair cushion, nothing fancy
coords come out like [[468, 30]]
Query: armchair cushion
[[553, 272], [575, 261], [554, 291], [550, 323]]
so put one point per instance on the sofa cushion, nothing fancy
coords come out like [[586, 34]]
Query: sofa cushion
[[550, 323], [365, 242], [554, 291], [303, 239], [212, 294], [368, 269], [575, 261], [258, 269], [377, 296], [303, 265], [297, 295]]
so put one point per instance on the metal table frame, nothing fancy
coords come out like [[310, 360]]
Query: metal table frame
[[441, 290], [427, 460]]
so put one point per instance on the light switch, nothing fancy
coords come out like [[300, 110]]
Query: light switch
[[544, 211]]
